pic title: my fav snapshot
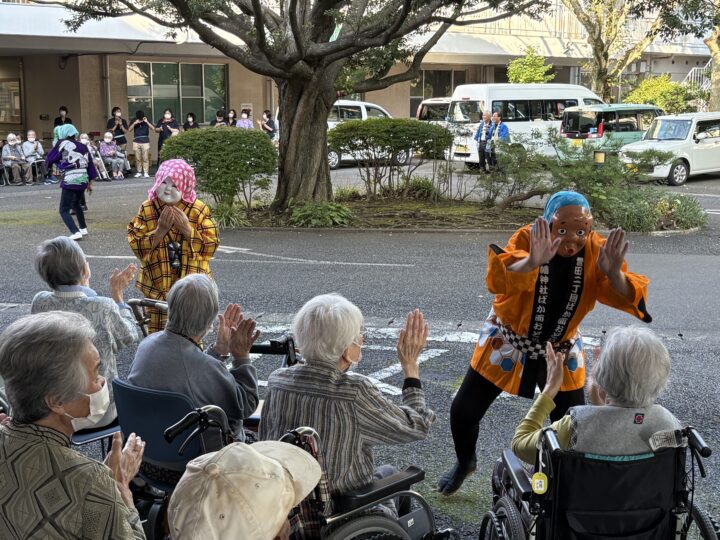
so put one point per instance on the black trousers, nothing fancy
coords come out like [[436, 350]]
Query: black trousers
[[472, 401], [481, 155]]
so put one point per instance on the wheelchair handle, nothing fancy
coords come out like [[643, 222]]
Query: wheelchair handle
[[697, 443], [188, 420], [148, 302], [550, 439]]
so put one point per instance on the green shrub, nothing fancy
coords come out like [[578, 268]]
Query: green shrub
[[229, 163], [348, 193], [423, 188], [677, 211], [672, 97], [376, 142], [323, 214], [229, 217], [530, 68]]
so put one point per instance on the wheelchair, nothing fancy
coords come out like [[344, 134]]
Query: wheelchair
[[575, 496]]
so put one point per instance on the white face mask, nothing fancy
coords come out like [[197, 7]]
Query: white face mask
[[118, 114], [168, 116], [12, 142], [168, 193], [84, 141], [31, 139], [99, 404], [190, 120], [62, 113], [108, 139], [243, 115]]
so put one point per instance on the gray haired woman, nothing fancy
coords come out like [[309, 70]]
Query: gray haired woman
[[347, 409], [53, 383], [61, 264], [628, 377]]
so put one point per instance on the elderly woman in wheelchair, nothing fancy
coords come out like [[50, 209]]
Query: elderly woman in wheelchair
[[614, 469]]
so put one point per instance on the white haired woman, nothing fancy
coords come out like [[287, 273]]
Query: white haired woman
[[630, 374], [348, 411], [61, 264], [53, 383]]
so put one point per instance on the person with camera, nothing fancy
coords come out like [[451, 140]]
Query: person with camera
[[173, 235], [141, 143]]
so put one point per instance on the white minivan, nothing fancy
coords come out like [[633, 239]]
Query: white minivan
[[693, 139], [523, 107]]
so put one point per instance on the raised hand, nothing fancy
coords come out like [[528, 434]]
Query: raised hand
[[411, 343], [542, 246], [166, 220], [125, 463], [242, 337], [228, 320], [181, 222], [555, 362], [612, 254], [121, 280]]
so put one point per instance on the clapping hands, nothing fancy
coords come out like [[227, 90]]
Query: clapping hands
[[236, 334], [121, 280], [171, 216]]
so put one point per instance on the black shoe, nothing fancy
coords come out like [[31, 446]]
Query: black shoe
[[84, 207], [451, 481]]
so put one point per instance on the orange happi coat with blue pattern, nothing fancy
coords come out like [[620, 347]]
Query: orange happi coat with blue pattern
[[501, 363]]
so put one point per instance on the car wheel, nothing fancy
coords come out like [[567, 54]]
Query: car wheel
[[333, 159], [679, 172], [401, 157]]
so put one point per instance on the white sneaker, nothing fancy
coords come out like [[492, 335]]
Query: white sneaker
[[146, 175], [77, 236], [84, 232], [138, 175]]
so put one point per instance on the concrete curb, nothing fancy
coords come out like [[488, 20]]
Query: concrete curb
[[674, 232], [604, 232]]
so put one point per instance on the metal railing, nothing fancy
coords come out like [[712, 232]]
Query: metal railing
[[699, 76]]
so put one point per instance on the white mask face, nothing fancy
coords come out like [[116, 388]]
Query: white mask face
[[31, 139], [243, 115], [168, 193], [118, 114], [108, 139], [99, 404], [62, 113], [168, 116], [84, 140], [190, 120]]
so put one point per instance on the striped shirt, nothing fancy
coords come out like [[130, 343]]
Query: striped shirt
[[349, 413]]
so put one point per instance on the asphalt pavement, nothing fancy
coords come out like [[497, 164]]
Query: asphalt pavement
[[272, 273]]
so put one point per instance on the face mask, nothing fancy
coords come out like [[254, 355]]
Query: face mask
[[231, 115], [168, 193], [13, 142], [84, 141], [243, 115], [99, 404], [118, 114], [31, 139], [62, 113], [168, 116], [108, 140], [190, 120], [218, 120], [265, 117]]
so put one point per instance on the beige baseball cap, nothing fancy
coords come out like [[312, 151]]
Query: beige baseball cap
[[241, 491]]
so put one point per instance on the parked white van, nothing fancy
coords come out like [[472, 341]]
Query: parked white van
[[523, 107], [434, 110], [693, 138]]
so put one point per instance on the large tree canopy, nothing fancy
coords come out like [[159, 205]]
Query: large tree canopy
[[313, 49]]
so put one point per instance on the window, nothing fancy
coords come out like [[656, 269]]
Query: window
[[10, 112], [554, 108], [433, 83], [592, 101], [711, 127], [184, 88], [536, 112], [512, 111], [625, 121], [349, 112], [646, 118], [609, 121], [374, 112]]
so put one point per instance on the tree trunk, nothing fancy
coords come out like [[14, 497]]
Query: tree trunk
[[713, 43], [303, 172], [601, 83]]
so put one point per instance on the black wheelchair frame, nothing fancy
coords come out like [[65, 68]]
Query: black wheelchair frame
[[523, 510]]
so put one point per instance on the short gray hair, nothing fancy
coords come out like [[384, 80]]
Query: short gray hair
[[325, 326], [633, 367], [193, 305], [60, 261], [40, 359]]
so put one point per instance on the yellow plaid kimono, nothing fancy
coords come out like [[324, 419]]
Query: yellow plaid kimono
[[156, 275]]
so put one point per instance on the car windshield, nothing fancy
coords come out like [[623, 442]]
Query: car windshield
[[433, 111], [668, 130], [465, 112], [581, 122]]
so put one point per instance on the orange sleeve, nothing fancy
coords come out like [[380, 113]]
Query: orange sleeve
[[204, 236], [499, 279]]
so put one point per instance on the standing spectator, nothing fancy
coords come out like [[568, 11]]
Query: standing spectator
[[63, 118], [219, 119], [267, 124], [141, 144], [13, 157], [232, 117], [190, 122], [34, 152], [118, 126], [245, 121], [112, 156], [77, 170], [499, 132], [482, 136], [166, 126]]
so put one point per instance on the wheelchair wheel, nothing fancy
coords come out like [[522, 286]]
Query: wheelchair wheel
[[503, 523], [702, 527], [369, 528]]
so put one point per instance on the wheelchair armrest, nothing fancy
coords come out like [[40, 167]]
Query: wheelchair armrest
[[378, 490], [518, 474], [252, 422]]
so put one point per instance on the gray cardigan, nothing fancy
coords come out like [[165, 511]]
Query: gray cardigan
[[170, 362]]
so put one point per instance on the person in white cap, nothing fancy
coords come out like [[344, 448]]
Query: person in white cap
[[242, 491]]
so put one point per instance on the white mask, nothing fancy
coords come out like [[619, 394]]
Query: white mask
[[12, 142], [190, 120], [62, 113], [168, 193], [118, 114], [84, 141], [168, 116], [31, 139], [243, 115], [99, 404], [108, 139]]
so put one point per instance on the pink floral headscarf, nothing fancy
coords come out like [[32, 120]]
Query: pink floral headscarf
[[181, 174]]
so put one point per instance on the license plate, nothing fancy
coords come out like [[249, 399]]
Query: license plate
[[631, 167], [577, 142], [462, 150]]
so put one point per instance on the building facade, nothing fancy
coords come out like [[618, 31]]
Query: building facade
[[132, 63]]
